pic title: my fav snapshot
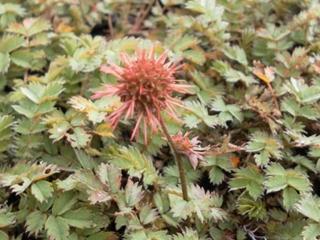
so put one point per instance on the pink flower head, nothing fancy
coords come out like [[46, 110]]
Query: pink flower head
[[145, 86], [189, 148]]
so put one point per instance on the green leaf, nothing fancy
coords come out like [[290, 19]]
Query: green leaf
[[210, 10], [22, 175], [111, 175], [79, 218], [187, 234], [64, 203], [22, 58], [4, 62], [250, 179], [293, 107], [147, 215], [276, 180], [304, 162], [12, 8], [39, 25], [57, 228], [85, 180], [298, 180], [262, 159], [121, 221], [135, 162], [207, 89], [185, 42], [96, 111], [9, 43], [227, 112], [30, 27], [85, 160], [162, 202], [3, 235], [236, 53], [311, 231], [290, 197], [6, 218], [309, 206], [79, 138], [28, 126], [216, 175], [30, 110], [6, 122], [197, 113], [195, 56], [39, 93], [204, 204], [42, 190], [35, 222], [134, 193], [254, 208], [279, 178], [266, 146], [89, 56], [199, 6], [231, 75], [303, 93]]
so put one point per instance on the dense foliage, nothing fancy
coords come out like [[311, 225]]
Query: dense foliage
[[248, 130]]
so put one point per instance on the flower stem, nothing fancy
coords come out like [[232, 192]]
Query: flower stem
[[178, 159]]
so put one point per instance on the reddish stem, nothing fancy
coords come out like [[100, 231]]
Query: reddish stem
[[178, 159]]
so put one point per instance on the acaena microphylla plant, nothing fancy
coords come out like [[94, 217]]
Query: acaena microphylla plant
[[146, 84]]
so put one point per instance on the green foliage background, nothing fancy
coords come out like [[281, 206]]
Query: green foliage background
[[65, 175]]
